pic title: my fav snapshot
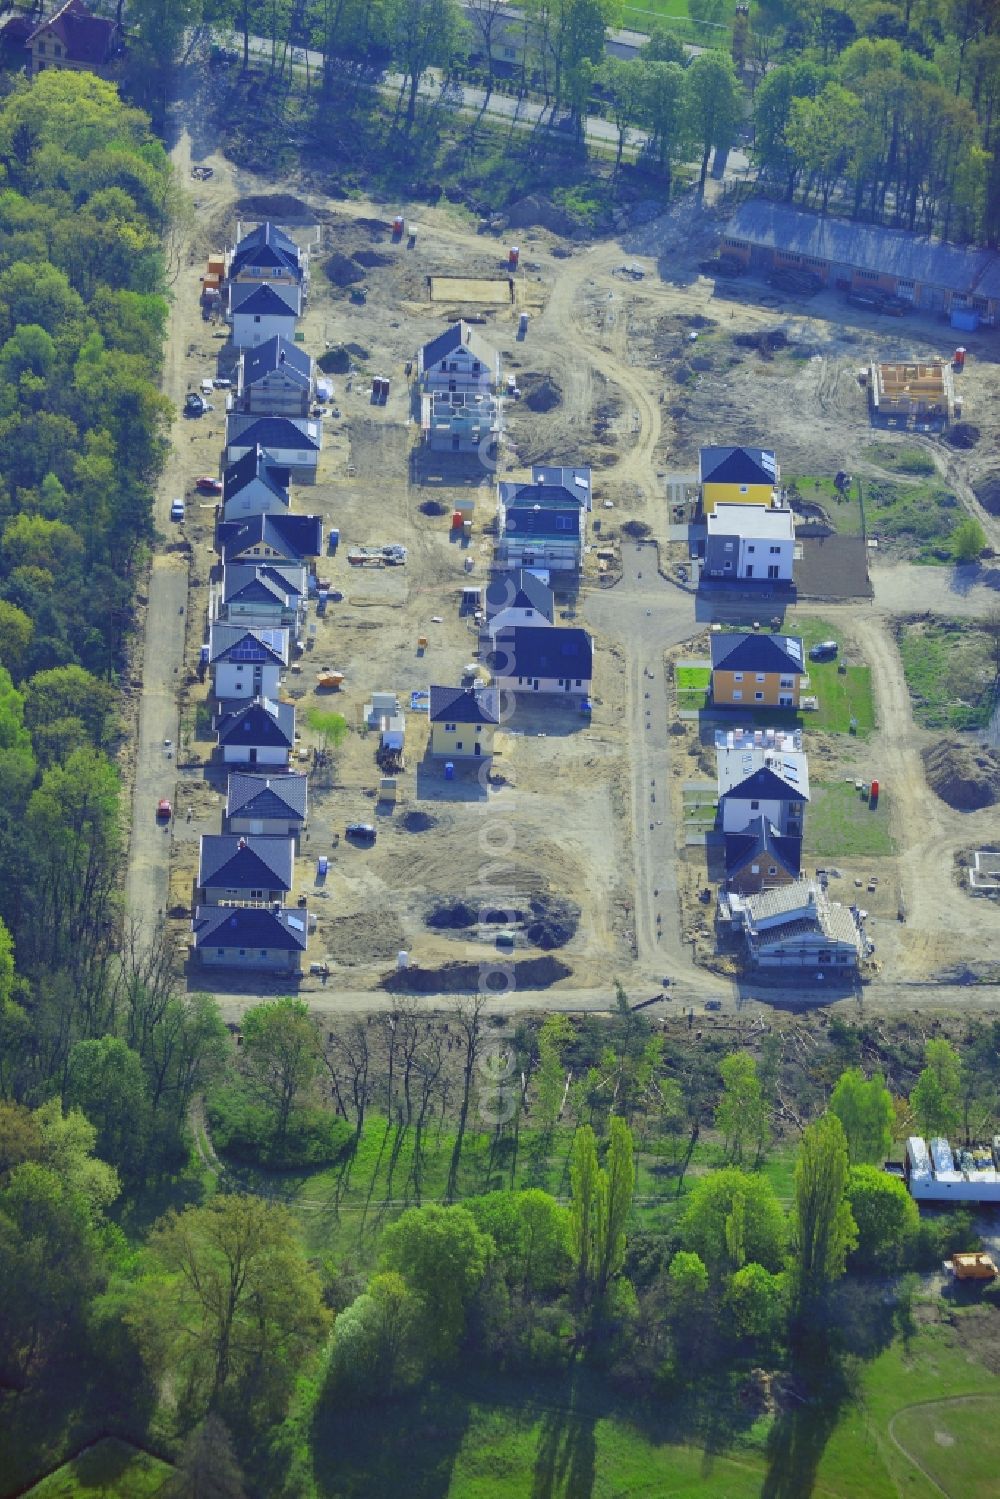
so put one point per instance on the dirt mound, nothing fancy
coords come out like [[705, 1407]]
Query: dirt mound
[[553, 921], [417, 822], [539, 392], [342, 270], [988, 492], [452, 917], [535, 209], [336, 361], [965, 776], [468, 978], [963, 435], [280, 206], [370, 259], [433, 507]]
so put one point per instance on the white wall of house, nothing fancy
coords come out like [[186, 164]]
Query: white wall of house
[[271, 959], [301, 462], [509, 619], [252, 328], [245, 679], [563, 686], [275, 827], [540, 551], [247, 754], [737, 814], [765, 560]]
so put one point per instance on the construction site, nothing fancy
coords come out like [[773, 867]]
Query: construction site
[[917, 396], [630, 376]]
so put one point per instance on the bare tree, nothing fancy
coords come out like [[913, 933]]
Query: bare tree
[[468, 1016]]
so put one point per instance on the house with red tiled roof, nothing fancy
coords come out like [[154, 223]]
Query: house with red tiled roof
[[76, 39]]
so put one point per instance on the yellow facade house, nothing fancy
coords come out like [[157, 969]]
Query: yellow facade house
[[737, 476], [756, 671], [463, 722]]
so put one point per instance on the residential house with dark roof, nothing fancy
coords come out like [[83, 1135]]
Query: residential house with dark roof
[[262, 733], [246, 661], [244, 869], [760, 671], [517, 597], [459, 359], [276, 378], [931, 274], [578, 481], [270, 939], [762, 782], [262, 312], [541, 526], [749, 544], [760, 858], [267, 805], [271, 595], [266, 254], [270, 538], [73, 39], [535, 659], [255, 483], [463, 721], [796, 926], [293, 443], [737, 476]]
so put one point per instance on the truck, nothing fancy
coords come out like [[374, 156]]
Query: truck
[[392, 555], [977, 1266]]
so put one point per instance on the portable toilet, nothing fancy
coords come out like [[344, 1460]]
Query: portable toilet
[[449, 770], [958, 359], [522, 325], [397, 225], [402, 959], [333, 541], [513, 256], [456, 520], [322, 866]]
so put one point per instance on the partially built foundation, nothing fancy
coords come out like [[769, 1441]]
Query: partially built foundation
[[911, 395]]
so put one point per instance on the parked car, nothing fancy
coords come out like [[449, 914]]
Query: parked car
[[177, 510], [824, 650], [713, 1004], [870, 301], [194, 404], [896, 306], [362, 832], [164, 810], [207, 485]]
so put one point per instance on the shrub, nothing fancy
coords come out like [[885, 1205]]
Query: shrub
[[243, 1129]]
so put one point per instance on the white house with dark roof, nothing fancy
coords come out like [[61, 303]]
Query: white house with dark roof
[[244, 869], [542, 524], [270, 595], [270, 939], [270, 538], [246, 661], [267, 805], [292, 443], [459, 359], [275, 378], [266, 254], [261, 312], [517, 597], [262, 733], [762, 781], [534, 659], [255, 483]]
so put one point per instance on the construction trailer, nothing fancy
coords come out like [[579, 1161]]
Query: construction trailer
[[920, 395], [965, 1174]]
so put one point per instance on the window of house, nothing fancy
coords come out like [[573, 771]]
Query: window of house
[[263, 952], [824, 957], [243, 952], [758, 697], [774, 551], [458, 744], [729, 546], [786, 682], [751, 547], [40, 68], [221, 951], [230, 892], [579, 681], [256, 317], [737, 676], [41, 49], [509, 52], [772, 870], [867, 275], [450, 728], [755, 869], [754, 806], [256, 895], [58, 50], [759, 676], [727, 567], [744, 489]]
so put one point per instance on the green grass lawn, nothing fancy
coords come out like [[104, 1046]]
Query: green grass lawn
[[899, 458], [918, 517], [945, 1438], [691, 684], [950, 671], [843, 696], [844, 511], [109, 1470], [839, 825]]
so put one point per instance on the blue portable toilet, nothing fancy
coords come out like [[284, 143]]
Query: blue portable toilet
[[586, 706], [322, 865], [965, 318], [334, 540], [449, 770]]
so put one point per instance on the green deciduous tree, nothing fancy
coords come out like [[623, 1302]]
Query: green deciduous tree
[[713, 104], [105, 1082], [377, 1344], [614, 1203], [442, 1255], [825, 1232], [756, 1302], [887, 1218], [742, 1113], [864, 1108], [281, 1057], [936, 1096], [723, 1202], [968, 540]]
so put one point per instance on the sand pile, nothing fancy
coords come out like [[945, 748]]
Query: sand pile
[[965, 776]]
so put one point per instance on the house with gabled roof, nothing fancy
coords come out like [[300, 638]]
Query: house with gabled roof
[[244, 869], [267, 805], [541, 525], [255, 483], [737, 476], [74, 39], [269, 594], [292, 443], [459, 359], [463, 721], [762, 782], [761, 858], [536, 659], [259, 312], [262, 733], [266, 254], [270, 538], [795, 926], [268, 939], [515, 596], [575, 480], [275, 378], [246, 661], [756, 670]]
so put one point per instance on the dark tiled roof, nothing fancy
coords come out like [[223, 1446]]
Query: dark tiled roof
[[737, 466], [255, 464], [245, 861], [260, 723], [761, 840], [251, 585], [274, 432], [250, 926], [267, 796], [557, 518], [277, 354], [253, 645], [266, 245], [755, 652], [892, 252], [86, 37], [264, 300], [459, 335], [577, 481], [465, 705], [294, 536], [518, 589], [766, 784], [542, 651]]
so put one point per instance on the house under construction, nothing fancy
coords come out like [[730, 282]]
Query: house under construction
[[911, 395]]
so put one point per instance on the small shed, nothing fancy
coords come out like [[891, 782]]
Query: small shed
[[382, 706], [393, 730]]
